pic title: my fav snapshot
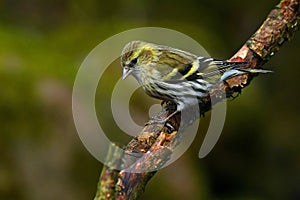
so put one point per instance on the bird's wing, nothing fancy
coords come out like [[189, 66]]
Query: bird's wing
[[202, 68]]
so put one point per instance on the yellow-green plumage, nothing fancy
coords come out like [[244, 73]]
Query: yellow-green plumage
[[171, 74]]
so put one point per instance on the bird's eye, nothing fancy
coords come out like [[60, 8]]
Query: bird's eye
[[133, 62]]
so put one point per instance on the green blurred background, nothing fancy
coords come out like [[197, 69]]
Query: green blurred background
[[42, 44]]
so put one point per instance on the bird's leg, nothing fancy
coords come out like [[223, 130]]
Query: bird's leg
[[167, 106], [171, 115], [163, 102], [164, 120]]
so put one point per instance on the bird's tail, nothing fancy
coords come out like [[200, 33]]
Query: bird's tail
[[237, 71], [219, 70]]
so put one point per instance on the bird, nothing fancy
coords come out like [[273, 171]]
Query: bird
[[175, 75]]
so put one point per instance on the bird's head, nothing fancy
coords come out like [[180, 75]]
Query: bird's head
[[138, 57]]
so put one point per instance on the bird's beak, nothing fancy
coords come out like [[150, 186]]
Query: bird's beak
[[126, 72]]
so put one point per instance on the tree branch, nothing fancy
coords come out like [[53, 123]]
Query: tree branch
[[279, 27]]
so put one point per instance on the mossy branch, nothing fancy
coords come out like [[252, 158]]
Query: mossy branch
[[279, 27]]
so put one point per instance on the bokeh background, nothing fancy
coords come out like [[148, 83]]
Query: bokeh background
[[42, 44]]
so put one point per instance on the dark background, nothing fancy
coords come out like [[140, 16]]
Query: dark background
[[42, 44]]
